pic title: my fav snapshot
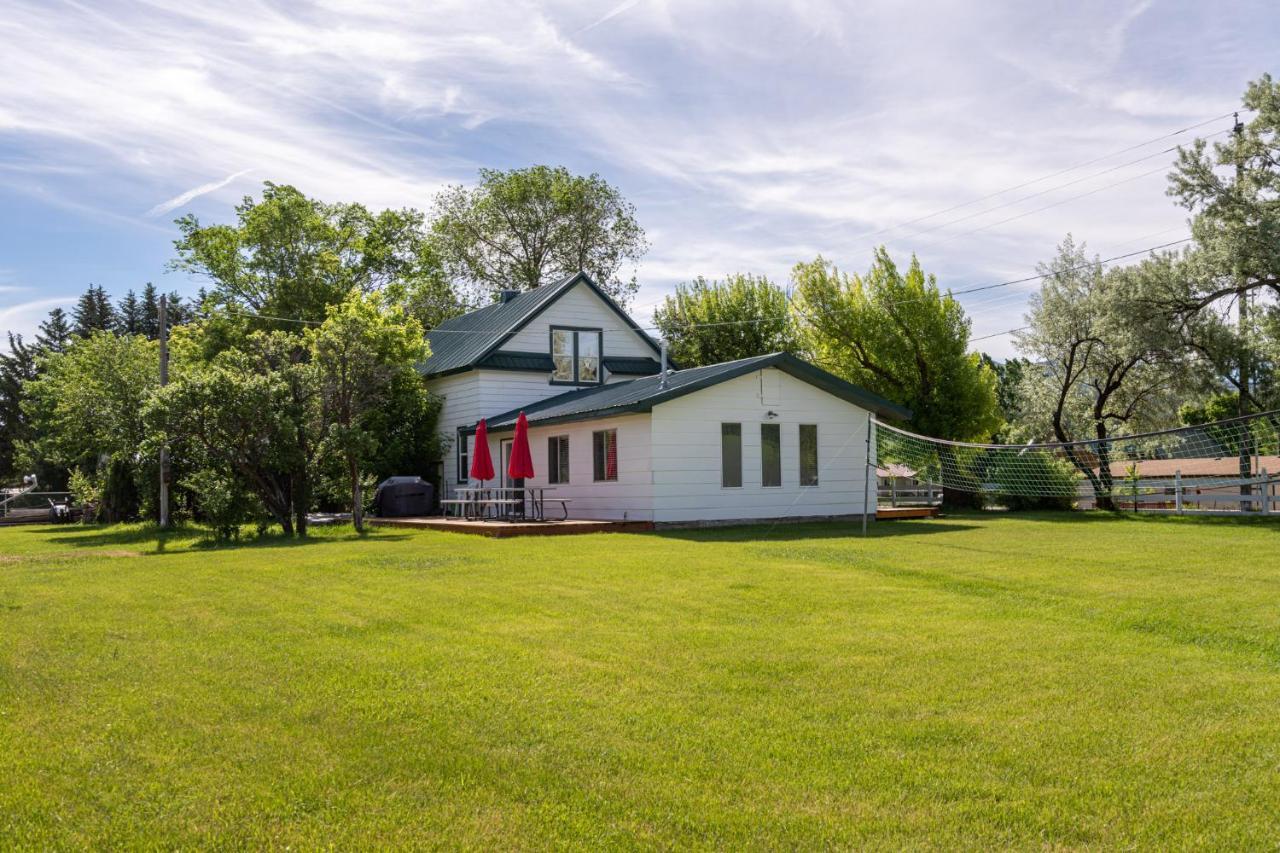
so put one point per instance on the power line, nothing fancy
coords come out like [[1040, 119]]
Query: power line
[[1052, 189], [1043, 177], [777, 317]]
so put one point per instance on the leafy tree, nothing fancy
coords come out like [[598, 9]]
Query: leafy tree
[[85, 409], [249, 414], [54, 333], [524, 228], [93, 312], [1009, 375], [17, 367], [901, 337], [359, 352], [706, 322], [1233, 193], [290, 257], [1107, 363]]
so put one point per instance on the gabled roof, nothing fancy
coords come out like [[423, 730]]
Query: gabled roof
[[461, 343], [641, 395]]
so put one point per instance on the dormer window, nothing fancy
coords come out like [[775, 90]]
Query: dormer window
[[575, 355]]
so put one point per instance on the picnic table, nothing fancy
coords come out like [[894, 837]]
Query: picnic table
[[505, 502]]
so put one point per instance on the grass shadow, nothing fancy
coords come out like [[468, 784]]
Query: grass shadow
[[787, 532], [193, 538]]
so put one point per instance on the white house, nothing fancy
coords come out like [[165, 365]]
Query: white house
[[759, 438]]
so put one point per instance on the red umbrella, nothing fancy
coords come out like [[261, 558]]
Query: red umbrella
[[521, 465], [481, 461]]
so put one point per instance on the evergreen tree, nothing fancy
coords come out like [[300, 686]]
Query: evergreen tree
[[150, 312], [55, 332], [16, 367], [131, 320], [93, 312], [179, 311]]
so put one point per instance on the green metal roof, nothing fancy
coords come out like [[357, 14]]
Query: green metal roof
[[641, 395], [541, 361], [461, 343]]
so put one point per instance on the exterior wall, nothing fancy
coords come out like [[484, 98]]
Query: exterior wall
[[669, 460], [579, 307], [686, 452], [628, 498], [477, 394]]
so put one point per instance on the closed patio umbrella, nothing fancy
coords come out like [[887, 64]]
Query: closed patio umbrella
[[521, 465], [481, 461]]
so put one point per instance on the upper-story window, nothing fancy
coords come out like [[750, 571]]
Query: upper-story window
[[575, 355]]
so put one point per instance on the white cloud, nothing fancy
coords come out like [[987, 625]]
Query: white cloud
[[749, 136], [194, 193]]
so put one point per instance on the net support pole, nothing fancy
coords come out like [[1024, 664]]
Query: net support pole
[[866, 479]]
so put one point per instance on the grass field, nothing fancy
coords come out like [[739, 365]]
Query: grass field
[[974, 681]]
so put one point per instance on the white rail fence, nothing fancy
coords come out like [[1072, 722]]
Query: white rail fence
[[1255, 495]]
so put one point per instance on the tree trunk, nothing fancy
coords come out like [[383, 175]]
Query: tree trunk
[[1105, 484], [357, 496], [301, 501]]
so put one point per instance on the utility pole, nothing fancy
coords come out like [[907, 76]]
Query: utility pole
[[164, 380], [1245, 368]]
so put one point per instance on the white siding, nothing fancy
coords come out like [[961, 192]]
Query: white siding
[[477, 394], [686, 452], [580, 307], [669, 460], [630, 497]]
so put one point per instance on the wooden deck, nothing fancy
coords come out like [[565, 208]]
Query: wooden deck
[[504, 529], [889, 513]]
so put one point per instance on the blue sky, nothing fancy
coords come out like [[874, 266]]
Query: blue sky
[[749, 136]]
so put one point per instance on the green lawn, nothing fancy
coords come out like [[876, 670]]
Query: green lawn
[[1016, 681]]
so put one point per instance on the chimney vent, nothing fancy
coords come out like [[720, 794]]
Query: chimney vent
[[505, 296]]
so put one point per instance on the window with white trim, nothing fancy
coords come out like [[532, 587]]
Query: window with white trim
[[808, 454], [770, 455], [464, 457], [731, 456], [576, 355], [558, 459], [604, 453]]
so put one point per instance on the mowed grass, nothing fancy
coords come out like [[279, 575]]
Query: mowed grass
[[1026, 681]]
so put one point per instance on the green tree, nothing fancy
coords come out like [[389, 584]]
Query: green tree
[[898, 335], [130, 315], [1233, 193], [1107, 363], [289, 256], [17, 367], [524, 228], [93, 312], [360, 351], [55, 332], [706, 322], [1009, 375], [249, 414], [85, 410]]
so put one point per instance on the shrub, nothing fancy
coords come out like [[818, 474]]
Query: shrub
[[221, 502], [1014, 474]]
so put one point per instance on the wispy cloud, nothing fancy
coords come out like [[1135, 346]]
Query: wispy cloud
[[748, 135], [608, 16], [194, 193]]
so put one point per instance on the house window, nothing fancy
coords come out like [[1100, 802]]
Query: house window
[[558, 459], [731, 455], [464, 458], [575, 355], [604, 446], [770, 455], [808, 454]]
